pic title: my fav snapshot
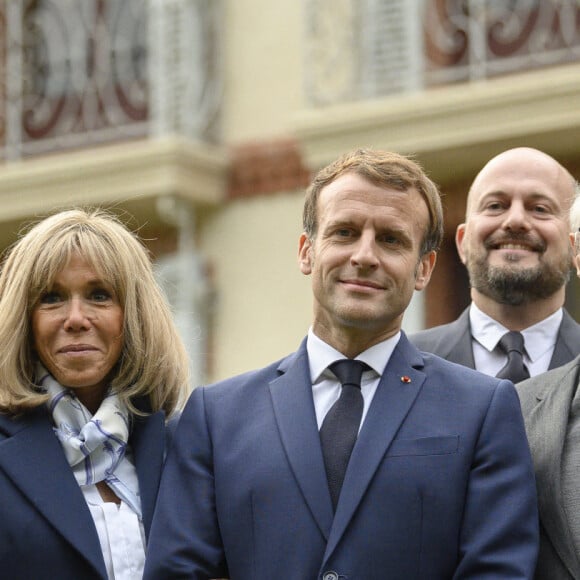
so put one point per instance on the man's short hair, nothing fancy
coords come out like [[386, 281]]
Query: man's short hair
[[385, 169]]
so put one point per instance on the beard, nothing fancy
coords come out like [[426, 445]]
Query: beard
[[515, 286]]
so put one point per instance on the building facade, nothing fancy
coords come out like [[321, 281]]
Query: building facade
[[201, 121]]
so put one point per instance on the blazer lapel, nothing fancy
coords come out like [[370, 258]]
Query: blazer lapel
[[546, 426], [148, 443], [567, 342], [450, 341], [294, 411], [460, 346], [32, 457], [389, 409]]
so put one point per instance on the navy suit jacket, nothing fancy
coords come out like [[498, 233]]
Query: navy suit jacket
[[453, 341], [440, 484], [46, 529]]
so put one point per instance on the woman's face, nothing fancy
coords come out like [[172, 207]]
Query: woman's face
[[77, 330]]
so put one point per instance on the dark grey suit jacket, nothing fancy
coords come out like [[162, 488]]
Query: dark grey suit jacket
[[546, 401], [453, 341]]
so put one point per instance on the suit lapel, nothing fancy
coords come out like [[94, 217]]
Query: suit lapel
[[294, 411], [567, 342], [148, 443], [389, 409], [546, 426], [32, 458], [460, 347]]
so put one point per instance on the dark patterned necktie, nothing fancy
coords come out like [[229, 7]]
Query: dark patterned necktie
[[340, 426], [512, 343]]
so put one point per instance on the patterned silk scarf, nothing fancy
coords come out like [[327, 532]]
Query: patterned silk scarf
[[94, 445]]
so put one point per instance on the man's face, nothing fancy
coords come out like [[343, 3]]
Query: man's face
[[364, 259], [515, 241]]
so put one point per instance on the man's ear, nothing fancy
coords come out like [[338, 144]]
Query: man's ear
[[425, 269], [459, 241], [305, 254]]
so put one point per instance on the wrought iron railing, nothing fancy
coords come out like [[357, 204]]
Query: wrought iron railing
[[479, 39], [357, 49], [77, 73]]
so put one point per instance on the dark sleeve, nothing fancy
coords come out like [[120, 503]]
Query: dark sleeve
[[185, 540], [499, 534]]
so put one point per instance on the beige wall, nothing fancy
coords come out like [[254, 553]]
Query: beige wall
[[263, 68], [263, 301]]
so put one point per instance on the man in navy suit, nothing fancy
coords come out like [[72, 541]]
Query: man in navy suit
[[514, 244], [440, 482]]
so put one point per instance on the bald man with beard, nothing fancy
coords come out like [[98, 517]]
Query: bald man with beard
[[515, 246]]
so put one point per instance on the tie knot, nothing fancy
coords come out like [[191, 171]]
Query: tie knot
[[348, 371], [511, 341]]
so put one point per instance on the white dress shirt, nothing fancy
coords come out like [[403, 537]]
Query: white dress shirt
[[119, 528], [325, 386], [539, 342]]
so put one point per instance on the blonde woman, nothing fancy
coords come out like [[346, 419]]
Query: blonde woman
[[91, 369]]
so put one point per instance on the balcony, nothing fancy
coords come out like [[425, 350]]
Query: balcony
[[79, 74], [425, 73], [359, 50], [453, 82]]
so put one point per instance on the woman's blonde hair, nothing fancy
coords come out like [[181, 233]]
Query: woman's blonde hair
[[153, 363]]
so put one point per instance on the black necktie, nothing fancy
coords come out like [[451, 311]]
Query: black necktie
[[512, 343], [340, 426]]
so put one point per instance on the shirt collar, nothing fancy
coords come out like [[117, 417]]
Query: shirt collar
[[321, 354], [538, 338]]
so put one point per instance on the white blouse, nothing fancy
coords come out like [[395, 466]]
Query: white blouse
[[121, 532]]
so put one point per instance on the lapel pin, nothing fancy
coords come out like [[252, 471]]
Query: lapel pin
[[405, 379]]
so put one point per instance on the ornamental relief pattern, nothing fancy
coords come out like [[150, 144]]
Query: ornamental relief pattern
[[73, 74], [370, 48]]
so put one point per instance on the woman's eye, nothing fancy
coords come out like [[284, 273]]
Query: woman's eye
[[101, 295], [50, 298]]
